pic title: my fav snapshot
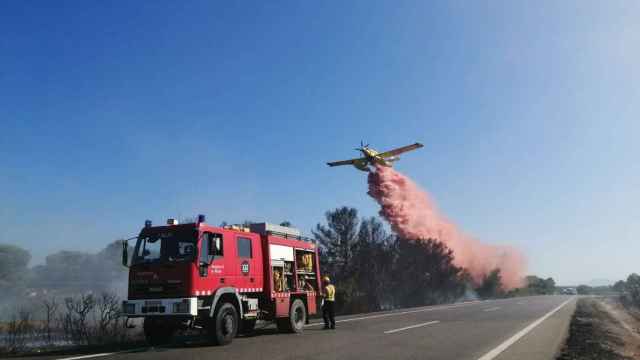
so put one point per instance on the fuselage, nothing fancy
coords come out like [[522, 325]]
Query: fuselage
[[372, 158]]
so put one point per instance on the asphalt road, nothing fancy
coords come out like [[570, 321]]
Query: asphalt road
[[520, 328]]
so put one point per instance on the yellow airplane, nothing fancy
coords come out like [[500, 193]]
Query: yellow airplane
[[372, 157]]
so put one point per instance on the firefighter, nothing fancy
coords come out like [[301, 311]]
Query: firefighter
[[328, 304]]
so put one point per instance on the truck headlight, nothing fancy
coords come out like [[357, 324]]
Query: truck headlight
[[182, 307]]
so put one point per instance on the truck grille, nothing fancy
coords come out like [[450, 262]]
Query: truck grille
[[162, 289]]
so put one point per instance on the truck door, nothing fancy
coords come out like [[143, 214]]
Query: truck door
[[213, 275], [248, 267]]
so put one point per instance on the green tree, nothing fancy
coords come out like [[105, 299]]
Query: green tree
[[633, 288], [491, 286], [372, 265], [619, 286], [337, 239], [425, 273], [584, 290], [13, 266]]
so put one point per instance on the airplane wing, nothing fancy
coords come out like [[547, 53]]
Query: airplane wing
[[400, 150], [343, 162]]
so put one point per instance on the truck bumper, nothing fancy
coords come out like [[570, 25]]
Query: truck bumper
[[161, 307]]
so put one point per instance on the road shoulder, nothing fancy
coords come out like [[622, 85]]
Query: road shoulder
[[545, 340]]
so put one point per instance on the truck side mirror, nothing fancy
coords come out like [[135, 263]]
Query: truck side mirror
[[125, 253]]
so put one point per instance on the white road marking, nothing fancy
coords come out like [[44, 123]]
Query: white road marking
[[399, 313], [411, 327], [510, 341], [87, 356], [492, 309]]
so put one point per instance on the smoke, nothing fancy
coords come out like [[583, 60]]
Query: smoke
[[413, 215]]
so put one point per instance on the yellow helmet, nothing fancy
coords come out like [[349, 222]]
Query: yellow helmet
[[326, 279]]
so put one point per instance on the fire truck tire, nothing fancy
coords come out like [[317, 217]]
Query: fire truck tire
[[157, 334], [248, 326], [296, 320], [224, 326]]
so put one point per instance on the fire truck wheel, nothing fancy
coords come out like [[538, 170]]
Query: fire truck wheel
[[157, 334], [248, 326], [225, 324], [296, 320]]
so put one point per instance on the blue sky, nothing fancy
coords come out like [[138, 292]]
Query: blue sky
[[115, 113]]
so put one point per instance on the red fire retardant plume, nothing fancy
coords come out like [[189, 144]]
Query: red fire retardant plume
[[413, 215]]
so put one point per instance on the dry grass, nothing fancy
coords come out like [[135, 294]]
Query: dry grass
[[601, 328]]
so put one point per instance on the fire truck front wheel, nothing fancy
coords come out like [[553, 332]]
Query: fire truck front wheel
[[224, 325]]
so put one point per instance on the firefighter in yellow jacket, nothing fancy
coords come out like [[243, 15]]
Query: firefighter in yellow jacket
[[328, 308]]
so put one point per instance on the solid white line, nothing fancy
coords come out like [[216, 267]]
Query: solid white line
[[399, 313], [510, 341], [492, 309], [411, 327], [87, 356]]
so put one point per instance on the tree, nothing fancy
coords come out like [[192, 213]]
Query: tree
[[539, 286], [425, 273], [491, 286], [633, 288], [584, 290], [373, 265], [549, 286], [337, 239], [619, 286], [71, 272], [13, 266]]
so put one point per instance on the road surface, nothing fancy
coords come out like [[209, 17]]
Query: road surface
[[519, 328]]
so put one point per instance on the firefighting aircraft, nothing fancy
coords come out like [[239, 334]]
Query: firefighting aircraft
[[372, 157]]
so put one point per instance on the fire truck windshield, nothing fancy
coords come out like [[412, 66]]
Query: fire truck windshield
[[164, 247]]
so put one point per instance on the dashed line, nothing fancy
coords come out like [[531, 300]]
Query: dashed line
[[492, 309], [411, 327], [398, 313]]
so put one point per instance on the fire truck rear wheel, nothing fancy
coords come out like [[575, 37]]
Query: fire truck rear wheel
[[296, 320], [157, 333], [224, 326]]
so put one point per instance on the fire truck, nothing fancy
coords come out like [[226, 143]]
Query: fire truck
[[221, 279]]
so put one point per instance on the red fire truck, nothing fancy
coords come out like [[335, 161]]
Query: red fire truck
[[220, 279]]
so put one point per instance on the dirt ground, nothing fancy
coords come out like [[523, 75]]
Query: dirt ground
[[603, 328]]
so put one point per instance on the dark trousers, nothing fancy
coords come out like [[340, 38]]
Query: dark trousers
[[329, 314]]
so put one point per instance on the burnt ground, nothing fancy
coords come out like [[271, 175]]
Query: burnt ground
[[602, 329]]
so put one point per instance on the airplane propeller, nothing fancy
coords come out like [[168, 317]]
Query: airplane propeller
[[362, 146]]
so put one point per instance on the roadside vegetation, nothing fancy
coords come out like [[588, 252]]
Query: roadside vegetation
[[53, 323], [375, 270], [606, 324]]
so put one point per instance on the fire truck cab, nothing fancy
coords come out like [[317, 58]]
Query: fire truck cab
[[221, 279]]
